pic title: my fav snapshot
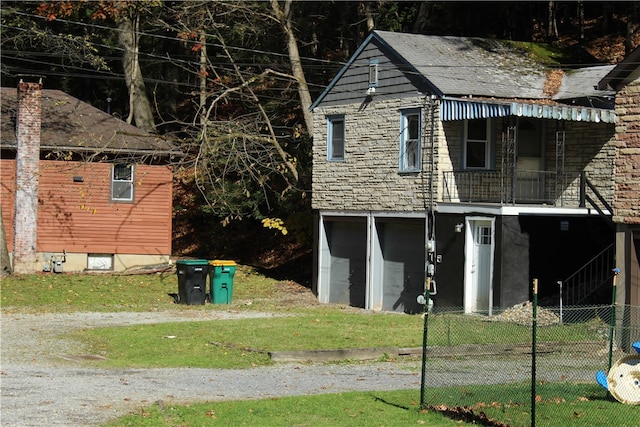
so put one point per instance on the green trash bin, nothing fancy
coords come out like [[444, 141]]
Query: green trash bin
[[192, 281], [222, 273]]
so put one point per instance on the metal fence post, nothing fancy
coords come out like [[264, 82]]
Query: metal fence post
[[424, 343], [612, 320], [533, 352]]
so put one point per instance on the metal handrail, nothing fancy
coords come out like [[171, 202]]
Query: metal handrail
[[590, 277]]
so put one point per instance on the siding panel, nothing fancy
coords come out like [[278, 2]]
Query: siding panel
[[80, 217], [353, 84]]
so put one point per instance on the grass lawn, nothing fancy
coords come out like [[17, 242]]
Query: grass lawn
[[243, 343], [566, 406], [64, 293], [344, 409]]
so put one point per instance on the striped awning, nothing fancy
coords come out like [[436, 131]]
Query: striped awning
[[458, 109]]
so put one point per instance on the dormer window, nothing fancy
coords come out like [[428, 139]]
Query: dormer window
[[373, 73]]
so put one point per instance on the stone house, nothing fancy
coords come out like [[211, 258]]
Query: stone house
[[462, 163], [81, 189], [625, 80]]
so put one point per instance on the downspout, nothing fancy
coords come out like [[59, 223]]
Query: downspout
[[430, 250], [428, 200]]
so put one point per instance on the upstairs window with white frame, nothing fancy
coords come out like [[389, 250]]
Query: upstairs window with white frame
[[122, 182], [410, 141], [335, 138], [477, 144]]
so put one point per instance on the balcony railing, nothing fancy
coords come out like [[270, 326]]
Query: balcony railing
[[524, 187]]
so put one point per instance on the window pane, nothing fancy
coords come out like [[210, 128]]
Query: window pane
[[122, 182], [483, 235], [412, 154], [410, 142], [336, 143], [337, 130], [476, 154], [412, 126], [337, 150], [122, 190], [477, 129], [122, 172]]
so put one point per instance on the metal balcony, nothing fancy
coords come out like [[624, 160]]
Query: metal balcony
[[568, 189]]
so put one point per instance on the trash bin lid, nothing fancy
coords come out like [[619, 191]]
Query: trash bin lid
[[192, 262], [222, 263]]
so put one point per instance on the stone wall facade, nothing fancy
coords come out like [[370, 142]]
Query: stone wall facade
[[627, 164], [368, 179]]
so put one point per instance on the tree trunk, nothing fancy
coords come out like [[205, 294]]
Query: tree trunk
[[284, 18], [581, 18], [203, 78], [632, 27], [5, 260], [371, 24], [139, 106], [552, 27], [420, 23]]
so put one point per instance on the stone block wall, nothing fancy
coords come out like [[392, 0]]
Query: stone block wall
[[627, 163], [589, 147], [368, 179]]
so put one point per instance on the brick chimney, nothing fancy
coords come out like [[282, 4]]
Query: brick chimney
[[28, 128]]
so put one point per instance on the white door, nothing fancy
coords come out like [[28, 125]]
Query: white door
[[479, 266]]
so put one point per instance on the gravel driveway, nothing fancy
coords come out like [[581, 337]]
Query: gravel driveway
[[41, 385]]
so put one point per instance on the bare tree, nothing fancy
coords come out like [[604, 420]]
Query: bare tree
[[5, 261], [127, 15], [283, 16], [128, 22], [552, 25]]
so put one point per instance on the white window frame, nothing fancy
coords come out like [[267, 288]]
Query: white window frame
[[487, 146], [335, 146], [117, 182], [410, 145]]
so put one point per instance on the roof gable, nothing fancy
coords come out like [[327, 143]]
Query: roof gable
[[71, 124], [623, 72], [466, 67]]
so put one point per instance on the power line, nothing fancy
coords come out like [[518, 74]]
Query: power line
[[177, 39]]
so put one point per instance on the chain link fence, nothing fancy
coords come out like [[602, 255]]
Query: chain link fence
[[484, 368]]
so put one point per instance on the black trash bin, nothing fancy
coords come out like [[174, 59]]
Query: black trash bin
[[192, 281]]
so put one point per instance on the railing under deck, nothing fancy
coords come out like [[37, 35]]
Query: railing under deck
[[567, 189]]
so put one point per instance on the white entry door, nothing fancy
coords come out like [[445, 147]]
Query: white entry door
[[479, 251]]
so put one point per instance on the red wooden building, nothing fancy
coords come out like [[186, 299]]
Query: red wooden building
[[97, 197]]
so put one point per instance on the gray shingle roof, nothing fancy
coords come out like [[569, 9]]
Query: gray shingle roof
[[462, 66], [582, 83]]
